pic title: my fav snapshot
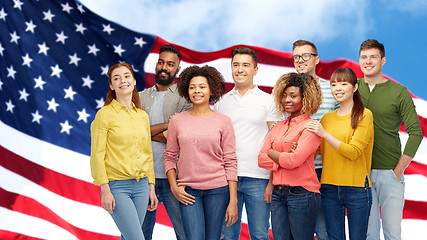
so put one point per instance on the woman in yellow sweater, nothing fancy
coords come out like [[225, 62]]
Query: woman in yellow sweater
[[346, 149], [121, 158]]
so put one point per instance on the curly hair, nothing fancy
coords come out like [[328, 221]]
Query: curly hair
[[215, 81], [309, 90], [111, 94]]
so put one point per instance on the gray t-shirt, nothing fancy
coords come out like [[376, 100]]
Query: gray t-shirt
[[156, 117]]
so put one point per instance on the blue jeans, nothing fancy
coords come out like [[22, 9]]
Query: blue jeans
[[250, 191], [165, 196], [387, 192], [203, 219], [131, 204], [357, 201], [293, 213], [320, 228]]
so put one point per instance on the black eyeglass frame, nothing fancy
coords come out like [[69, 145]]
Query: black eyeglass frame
[[304, 57]]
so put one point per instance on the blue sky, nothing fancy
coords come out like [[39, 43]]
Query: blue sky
[[336, 27]]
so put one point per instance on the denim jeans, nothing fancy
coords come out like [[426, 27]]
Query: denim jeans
[[165, 196], [131, 204], [203, 219], [320, 228], [387, 193], [250, 191], [357, 201], [293, 213]]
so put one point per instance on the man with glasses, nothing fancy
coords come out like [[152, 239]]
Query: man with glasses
[[390, 103], [305, 60]]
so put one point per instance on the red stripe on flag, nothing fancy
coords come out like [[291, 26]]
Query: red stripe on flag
[[416, 168], [58, 183], [16, 236], [29, 206], [415, 210]]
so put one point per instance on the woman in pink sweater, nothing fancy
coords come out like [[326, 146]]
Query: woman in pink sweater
[[201, 149], [296, 187]]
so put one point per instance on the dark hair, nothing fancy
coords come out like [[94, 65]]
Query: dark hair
[[111, 94], [347, 75], [372, 43], [309, 89], [245, 50], [299, 43], [172, 49], [215, 81]]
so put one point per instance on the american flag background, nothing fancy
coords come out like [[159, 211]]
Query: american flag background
[[54, 55]]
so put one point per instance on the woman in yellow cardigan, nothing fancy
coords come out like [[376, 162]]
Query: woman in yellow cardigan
[[346, 149], [121, 158]]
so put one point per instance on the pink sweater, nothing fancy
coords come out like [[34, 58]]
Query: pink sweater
[[296, 168], [206, 147]]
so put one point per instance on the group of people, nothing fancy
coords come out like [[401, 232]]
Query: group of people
[[309, 154]]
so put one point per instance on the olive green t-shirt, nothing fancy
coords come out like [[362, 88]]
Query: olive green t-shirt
[[391, 104]]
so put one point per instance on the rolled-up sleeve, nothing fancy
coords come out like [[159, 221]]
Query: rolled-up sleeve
[[307, 144], [98, 130], [264, 161]]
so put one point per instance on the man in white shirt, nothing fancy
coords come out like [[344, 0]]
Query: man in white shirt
[[252, 112]]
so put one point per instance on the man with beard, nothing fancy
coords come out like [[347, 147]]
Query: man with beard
[[161, 102]]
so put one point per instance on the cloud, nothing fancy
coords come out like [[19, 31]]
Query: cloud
[[413, 7], [212, 25]]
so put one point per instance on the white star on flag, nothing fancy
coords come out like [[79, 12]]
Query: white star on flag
[[69, 93], [107, 28], [48, 16], [14, 37], [56, 71], [83, 115], [66, 8], [139, 41], [30, 26], [27, 60], [52, 105], [80, 28], [39, 82], [9, 106], [23, 94], [11, 72], [36, 117], [43, 48], [65, 127], [61, 37], [74, 59]]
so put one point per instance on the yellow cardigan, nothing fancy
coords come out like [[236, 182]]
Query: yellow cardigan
[[350, 164]]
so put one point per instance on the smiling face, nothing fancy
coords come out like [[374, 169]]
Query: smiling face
[[122, 81], [371, 62], [243, 69], [199, 91], [309, 66], [166, 68], [343, 91], [292, 101]]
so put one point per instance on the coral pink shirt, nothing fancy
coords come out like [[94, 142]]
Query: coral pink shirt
[[296, 168], [206, 147]]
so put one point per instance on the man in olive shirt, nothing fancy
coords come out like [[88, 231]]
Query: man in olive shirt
[[390, 103]]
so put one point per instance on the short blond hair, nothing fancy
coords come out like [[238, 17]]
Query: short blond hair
[[309, 90]]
